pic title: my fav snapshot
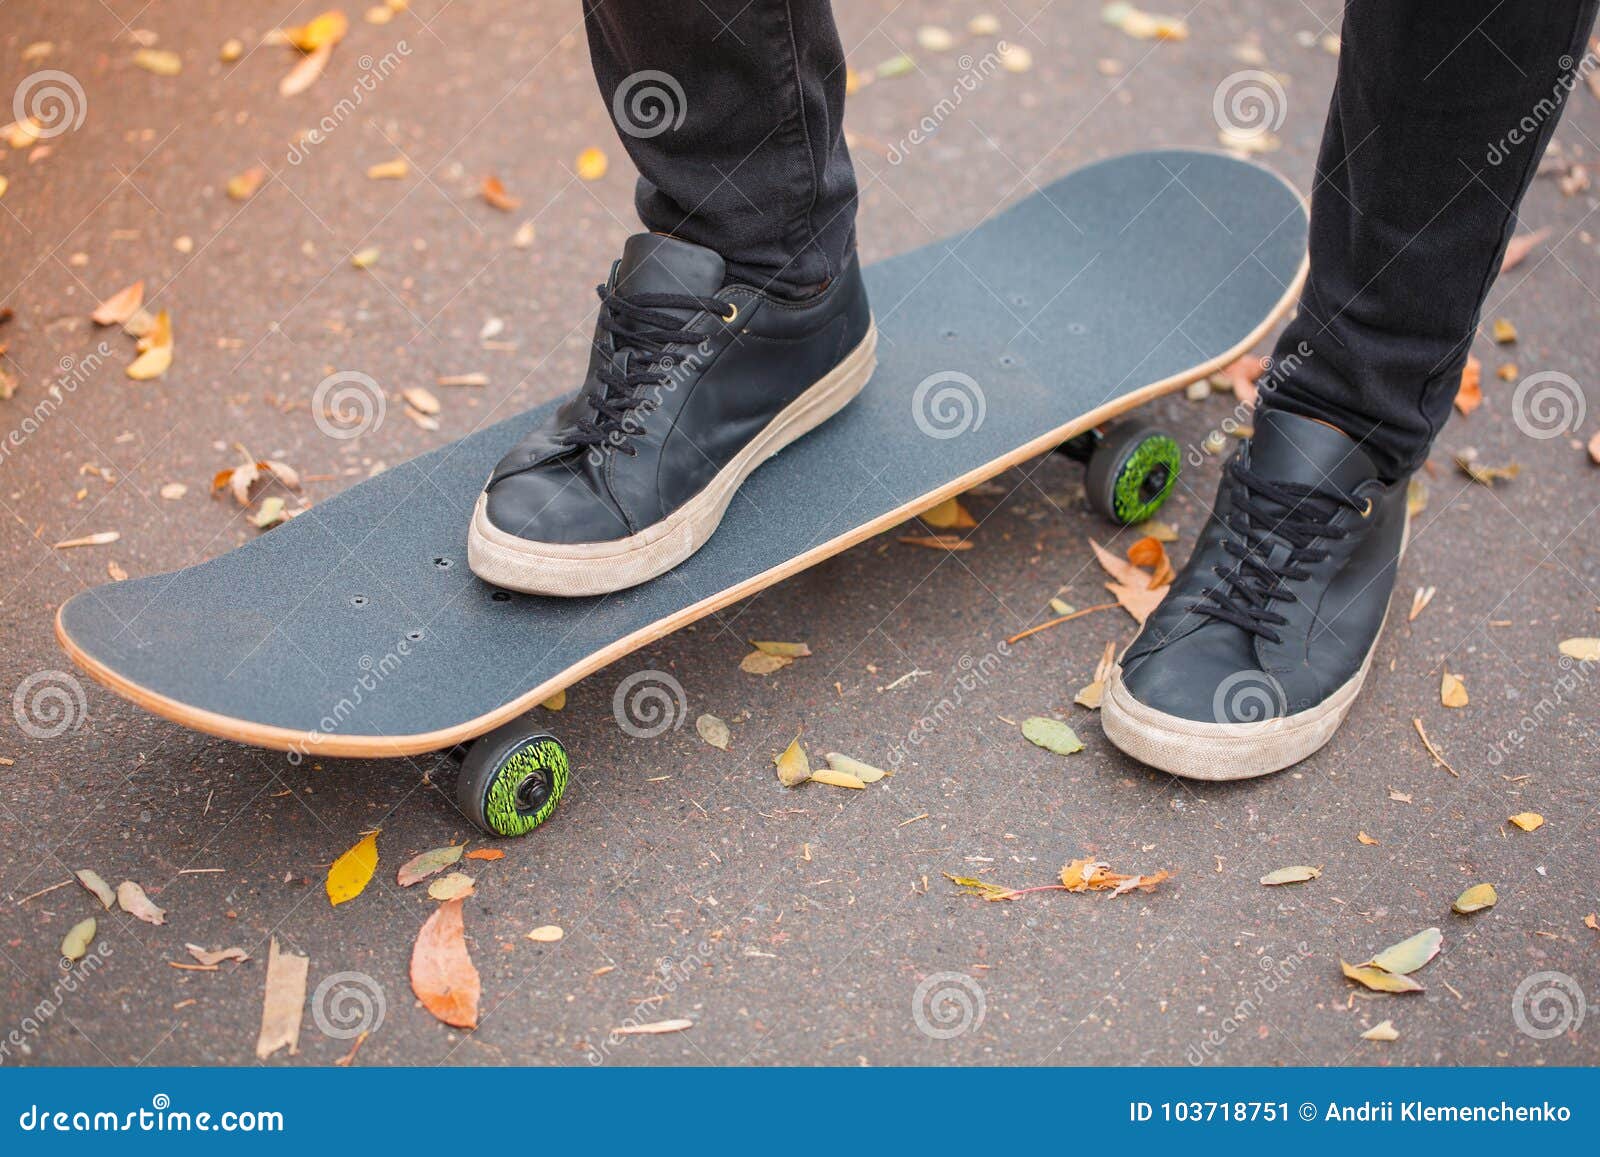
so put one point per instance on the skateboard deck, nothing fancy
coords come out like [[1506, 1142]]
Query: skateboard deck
[[357, 629]]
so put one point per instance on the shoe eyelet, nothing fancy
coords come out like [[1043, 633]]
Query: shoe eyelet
[[733, 313], [1368, 511]]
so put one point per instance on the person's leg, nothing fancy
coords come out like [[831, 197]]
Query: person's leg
[[1438, 119], [733, 327], [732, 111]]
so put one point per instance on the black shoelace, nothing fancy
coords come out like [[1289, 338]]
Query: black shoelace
[[637, 325], [1266, 513]]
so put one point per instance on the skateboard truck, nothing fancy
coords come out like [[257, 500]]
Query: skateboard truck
[[1132, 468]]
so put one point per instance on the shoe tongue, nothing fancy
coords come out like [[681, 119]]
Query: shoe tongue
[[1289, 448], [656, 263]]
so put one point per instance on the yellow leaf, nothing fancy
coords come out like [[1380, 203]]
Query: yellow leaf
[[1452, 691], [546, 934], [304, 74], [793, 766], [155, 356], [592, 164], [1362, 837], [1583, 650], [761, 663], [243, 186], [1476, 899], [556, 702], [1377, 979], [1383, 1030], [365, 258], [865, 772], [1528, 821], [949, 515], [159, 61], [389, 170], [1410, 954], [325, 30], [348, 875], [1504, 332], [834, 778], [792, 650], [1296, 875]]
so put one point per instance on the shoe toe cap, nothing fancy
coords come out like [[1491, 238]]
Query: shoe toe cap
[[554, 506], [1208, 676]]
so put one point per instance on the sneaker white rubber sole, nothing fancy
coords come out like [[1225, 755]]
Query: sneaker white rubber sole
[[1228, 751], [597, 568]]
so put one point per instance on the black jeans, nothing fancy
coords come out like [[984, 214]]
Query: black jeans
[[732, 111]]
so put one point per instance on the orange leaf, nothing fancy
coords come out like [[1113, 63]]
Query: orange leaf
[[486, 854], [495, 193], [304, 74], [1520, 246], [1088, 875], [1469, 395], [120, 306], [442, 973], [1149, 552]]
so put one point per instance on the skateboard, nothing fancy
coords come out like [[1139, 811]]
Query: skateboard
[[357, 629]]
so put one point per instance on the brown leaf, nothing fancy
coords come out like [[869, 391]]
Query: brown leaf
[[132, 900], [120, 306], [284, 1003], [207, 957], [1469, 393], [1520, 246], [792, 650], [1088, 875], [761, 663], [1132, 590], [495, 194], [434, 860], [442, 973], [1151, 555]]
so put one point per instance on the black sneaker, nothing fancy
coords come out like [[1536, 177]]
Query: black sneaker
[[692, 384], [1256, 654]]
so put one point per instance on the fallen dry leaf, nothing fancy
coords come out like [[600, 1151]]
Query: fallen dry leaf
[[714, 731], [556, 702], [103, 538], [1452, 691], [1438, 757], [349, 874], [761, 663], [1594, 448], [208, 957], [794, 768], [495, 194], [1528, 821], [1583, 650], [1149, 554], [1420, 601], [591, 164], [155, 351], [452, 887], [425, 864], [389, 170], [1476, 899], [1503, 332], [948, 515], [1410, 954], [120, 306], [1051, 734], [1467, 462], [321, 31], [442, 972], [284, 1002], [1363, 838], [75, 944], [365, 258], [486, 854], [243, 186], [1520, 246], [131, 899], [160, 61], [305, 72], [1295, 875], [1088, 875], [864, 772], [1132, 588], [834, 778], [1469, 393], [791, 650], [101, 890], [1377, 979], [546, 934], [1383, 1030]]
